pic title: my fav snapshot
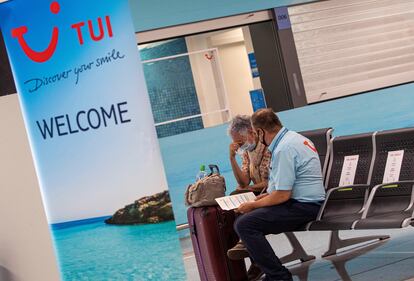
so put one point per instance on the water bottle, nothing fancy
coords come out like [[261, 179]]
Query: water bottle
[[202, 173]]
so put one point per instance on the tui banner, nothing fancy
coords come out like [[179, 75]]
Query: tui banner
[[86, 109]]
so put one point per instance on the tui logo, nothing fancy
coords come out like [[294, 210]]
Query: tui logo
[[310, 145], [41, 56], [46, 54]]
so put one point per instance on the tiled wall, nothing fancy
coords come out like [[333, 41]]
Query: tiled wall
[[171, 88]]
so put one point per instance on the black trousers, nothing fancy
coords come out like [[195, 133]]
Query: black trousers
[[286, 217]]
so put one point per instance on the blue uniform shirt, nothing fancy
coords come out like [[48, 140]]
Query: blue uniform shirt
[[295, 166]]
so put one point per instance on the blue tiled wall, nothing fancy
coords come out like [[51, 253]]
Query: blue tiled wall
[[171, 88]]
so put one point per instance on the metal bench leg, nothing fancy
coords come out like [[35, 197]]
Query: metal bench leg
[[339, 261], [298, 253], [302, 270], [340, 268], [337, 243]]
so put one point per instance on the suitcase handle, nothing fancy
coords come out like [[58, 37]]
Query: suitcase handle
[[212, 168]]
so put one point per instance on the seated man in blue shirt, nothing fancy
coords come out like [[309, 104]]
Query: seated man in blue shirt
[[294, 195]]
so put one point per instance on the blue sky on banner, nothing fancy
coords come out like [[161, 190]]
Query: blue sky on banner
[[85, 104]]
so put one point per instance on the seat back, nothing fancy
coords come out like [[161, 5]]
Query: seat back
[[321, 138], [342, 150], [395, 149], [351, 163]]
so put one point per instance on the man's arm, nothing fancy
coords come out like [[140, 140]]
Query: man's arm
[[261, 196], [275, 198]]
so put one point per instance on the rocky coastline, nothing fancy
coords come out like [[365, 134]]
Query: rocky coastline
[[146, 210]]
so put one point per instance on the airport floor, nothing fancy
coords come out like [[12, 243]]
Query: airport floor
[[388, 260]]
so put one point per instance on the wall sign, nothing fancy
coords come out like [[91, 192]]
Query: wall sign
[[258, 99], [349, 170], [253, 65], [393, 166], [282, 18]]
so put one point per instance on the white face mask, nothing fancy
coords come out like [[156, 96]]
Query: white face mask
[[246, 147]]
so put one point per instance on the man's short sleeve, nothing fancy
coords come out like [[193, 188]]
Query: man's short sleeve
[[283, 170]]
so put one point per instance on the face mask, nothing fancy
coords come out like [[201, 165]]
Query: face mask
[[246, 147], [251, 146]]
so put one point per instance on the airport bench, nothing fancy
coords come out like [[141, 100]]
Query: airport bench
[[377, 192], [390, 203], [369, 185]]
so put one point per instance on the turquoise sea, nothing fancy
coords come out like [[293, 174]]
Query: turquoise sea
[[90, 250]]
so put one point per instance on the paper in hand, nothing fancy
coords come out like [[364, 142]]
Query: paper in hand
[[234, 201]]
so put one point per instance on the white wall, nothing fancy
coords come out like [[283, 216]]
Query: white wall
[[26, 251], [205, 81], [237, 77], [235, 69]]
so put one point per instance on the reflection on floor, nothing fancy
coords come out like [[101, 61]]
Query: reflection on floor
[[389, 260]]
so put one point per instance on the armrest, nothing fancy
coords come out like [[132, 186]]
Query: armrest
[[336, 190], [374, 191]]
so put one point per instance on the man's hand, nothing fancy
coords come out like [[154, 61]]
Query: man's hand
[[246, 207], [233, 148]]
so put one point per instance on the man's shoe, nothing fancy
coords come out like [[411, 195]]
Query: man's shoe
[[268, 279], [238, 252], [254, 273]]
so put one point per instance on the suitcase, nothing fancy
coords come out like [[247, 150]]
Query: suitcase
[[212, 234]]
